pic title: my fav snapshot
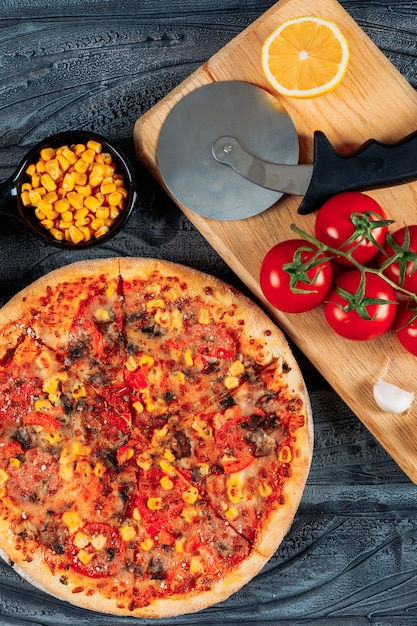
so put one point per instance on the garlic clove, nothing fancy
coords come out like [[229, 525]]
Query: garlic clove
[[391, 398]]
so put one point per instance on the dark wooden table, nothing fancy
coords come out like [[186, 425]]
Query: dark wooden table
[[350, 557]]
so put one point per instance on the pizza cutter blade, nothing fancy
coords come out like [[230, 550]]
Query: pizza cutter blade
[[241, 126], [184, 153]]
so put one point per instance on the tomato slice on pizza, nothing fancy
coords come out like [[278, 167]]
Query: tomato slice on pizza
[[97, 550]]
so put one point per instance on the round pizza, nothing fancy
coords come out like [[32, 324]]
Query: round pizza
[[155, 437]]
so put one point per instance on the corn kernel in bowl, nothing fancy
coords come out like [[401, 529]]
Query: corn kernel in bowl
[[76, 193]]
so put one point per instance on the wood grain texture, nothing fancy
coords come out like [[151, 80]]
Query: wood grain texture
[[356, 111], [350, 556]]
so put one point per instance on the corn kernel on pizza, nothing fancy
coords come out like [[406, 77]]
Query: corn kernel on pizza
[[155, 437]]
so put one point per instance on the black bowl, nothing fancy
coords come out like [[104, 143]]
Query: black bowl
[[11, 203]]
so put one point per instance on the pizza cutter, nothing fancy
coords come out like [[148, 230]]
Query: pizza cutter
[[228, 151]]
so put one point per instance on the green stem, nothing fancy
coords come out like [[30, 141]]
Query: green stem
[[347, 255]]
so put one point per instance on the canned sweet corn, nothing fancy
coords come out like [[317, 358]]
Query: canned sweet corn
[[75, 191]]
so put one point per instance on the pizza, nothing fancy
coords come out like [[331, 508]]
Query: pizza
[[155, 437]]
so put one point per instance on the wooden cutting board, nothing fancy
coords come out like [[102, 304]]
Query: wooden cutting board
[[373, 101]]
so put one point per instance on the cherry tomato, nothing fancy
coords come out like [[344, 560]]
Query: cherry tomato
[[335, 228], [404, 271], [405, 325], [345, 319], [276, 281]]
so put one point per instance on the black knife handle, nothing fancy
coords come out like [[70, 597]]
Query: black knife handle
[[373, 166]]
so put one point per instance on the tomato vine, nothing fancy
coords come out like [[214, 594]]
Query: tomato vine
[[357, 300]]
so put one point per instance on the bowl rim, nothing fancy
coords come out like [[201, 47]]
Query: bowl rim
[[71, 137]]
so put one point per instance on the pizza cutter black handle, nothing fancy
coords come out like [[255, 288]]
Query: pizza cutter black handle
[[374, 165]]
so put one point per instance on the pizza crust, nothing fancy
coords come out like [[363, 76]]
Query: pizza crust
[[37, 574], [17, 307], [271, 346]]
